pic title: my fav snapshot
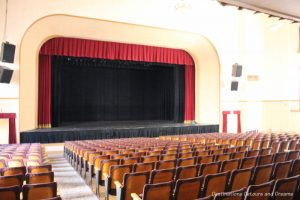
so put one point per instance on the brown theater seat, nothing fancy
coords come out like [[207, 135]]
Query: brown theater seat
[[163, 175], [261, 192], [10, 193], [215, 183], [39, 191], [189, 188], [45, 177]]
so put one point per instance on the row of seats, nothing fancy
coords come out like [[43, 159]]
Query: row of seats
[[30, 181], [85, 153]]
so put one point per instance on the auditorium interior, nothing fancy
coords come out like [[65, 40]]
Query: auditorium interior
[[149, 100]]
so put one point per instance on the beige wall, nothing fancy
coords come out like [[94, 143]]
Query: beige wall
[[263, 47]]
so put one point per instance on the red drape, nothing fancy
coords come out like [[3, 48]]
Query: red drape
[[109, 50], [238, 113], [12, 139], [225, 113]]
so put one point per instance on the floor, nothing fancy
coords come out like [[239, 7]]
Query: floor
[[71, 186]]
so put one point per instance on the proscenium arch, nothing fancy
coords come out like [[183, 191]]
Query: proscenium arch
[[207, 65]]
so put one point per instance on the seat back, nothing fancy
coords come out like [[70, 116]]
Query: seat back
[[163, 175], [253, 153], [166, 164], [265, 160], [39, 169], [281, 170], [160, 191], [168, 156], [286, 186], [134, 183], [10, 193], [256, 145], [279, 157], [275, 147], [128, 161], [293, 155], [187, 172], [8, 181], [215, 183], [295, 170], [229, 165], [147, 159], [205, 159], [98, 159], [116, 173], [186, 154], [143, 167], [248, 162], [262, 174], [209, 168], [188, 189], [222, 157], [261, 191], [13, 171], [185, 161], [45, 177], [39, 191], [240, 178], [237, 155]]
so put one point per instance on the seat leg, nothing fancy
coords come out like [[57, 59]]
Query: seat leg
[[97, 183], [91, 171], [84, 169]]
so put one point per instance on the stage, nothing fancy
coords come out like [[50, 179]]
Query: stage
[[113, 129]]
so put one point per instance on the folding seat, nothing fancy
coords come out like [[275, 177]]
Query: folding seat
[[229, 165], [233, 142], [261, 192], [187, 172], [248, 162], [279, 157], [186, 161], [231, 195], [160, 191], [216, 152], [186, 155], [281, 170], [128, 151], [293, 144], [265, 144], [240, 143], [243, 148], [265, 160], [292, 155], [256, 145], [286, 188], [45, 177], [188, 189], [252, 153], [230, 150], [276, 146], [10, 193], [116, 173], [39, 191], [39, 169], [137, 154], [295, 168], [104, 169], [205, 159], [146, 159], [222, 157], [8, 181], [199, 148], [9, 171], [143, 167], [209, 168], [132, 183], [171, 151], [215, 183], [163, 175], [237, 155], [168, 157], [154, 153], [240, 178], [95, 165], [262, 174], [284, 146], [166, 164]]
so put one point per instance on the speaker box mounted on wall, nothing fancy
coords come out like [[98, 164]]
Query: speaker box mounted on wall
[[234, 85], [5, 74], [237, 70], [8, 52]]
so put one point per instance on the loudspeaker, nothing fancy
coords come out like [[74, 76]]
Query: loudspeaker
[[234, 85], [5, 74], [8, 52], [237, 70]]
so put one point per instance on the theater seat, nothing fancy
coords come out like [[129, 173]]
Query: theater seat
[[240, 178], [215, 183], [163, 175], [261, 192], [188, 189], [286, 188], [45, 177], [10, 193], [39, 191], [8, 181]]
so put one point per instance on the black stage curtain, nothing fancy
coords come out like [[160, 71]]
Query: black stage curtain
[[86, 89]]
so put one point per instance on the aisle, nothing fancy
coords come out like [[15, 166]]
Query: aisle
[[70, 184]]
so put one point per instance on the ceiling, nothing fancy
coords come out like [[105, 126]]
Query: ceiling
[[286, 9]]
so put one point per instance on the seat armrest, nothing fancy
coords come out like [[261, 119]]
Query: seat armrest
[[118, 184], [135, 196], [105, 175]]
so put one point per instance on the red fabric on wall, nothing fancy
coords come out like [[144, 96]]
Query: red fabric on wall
[[225, 113], [238, 113], [12, 139], [114, 51]]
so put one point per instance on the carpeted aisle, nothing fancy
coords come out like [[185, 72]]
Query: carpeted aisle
[[70, 185]]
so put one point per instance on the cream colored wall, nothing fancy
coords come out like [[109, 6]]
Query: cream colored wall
[[238, 36]]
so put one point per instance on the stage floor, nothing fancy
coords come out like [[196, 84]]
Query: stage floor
[[113, 129]]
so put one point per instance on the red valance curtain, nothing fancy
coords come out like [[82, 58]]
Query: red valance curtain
[[114, 51]]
